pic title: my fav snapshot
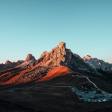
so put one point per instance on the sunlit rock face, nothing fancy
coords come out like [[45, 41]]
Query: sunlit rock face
[[55, 57], [60, 55], [55, 72]]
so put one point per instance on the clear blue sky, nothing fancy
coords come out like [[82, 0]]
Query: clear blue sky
[[32, 26]]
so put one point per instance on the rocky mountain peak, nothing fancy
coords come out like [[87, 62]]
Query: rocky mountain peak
[[87, 57], [55, 56], [98, 64], [60, 55], [8, 62], [30, 57], [28, 62], [62, 45]]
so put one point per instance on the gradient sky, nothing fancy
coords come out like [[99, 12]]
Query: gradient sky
[[33, 26]]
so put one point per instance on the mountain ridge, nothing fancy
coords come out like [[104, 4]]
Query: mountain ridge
[[32, 69]]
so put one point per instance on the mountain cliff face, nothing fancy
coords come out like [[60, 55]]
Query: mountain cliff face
[[60, 67]]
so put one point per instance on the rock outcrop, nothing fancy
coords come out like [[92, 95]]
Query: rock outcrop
[[30, 57], [28, 62]]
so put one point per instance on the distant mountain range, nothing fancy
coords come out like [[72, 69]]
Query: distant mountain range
[[98, 64], [89, 79]]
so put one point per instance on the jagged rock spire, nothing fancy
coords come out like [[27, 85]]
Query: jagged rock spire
[[62, 45], [55, 57], [60, 55]]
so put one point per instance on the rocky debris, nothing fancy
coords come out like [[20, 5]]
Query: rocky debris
[[55, 72], [36, 73], [26, 76]]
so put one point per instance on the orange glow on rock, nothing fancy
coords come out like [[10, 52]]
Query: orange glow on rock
[[55, 72]]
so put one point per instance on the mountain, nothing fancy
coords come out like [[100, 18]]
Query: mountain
[[98, 64], [58, 77], [60, 55], [28, 62], [8, 65], [59, 58]]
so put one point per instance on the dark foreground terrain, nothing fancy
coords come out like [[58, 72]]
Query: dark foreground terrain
[[47, 98]]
